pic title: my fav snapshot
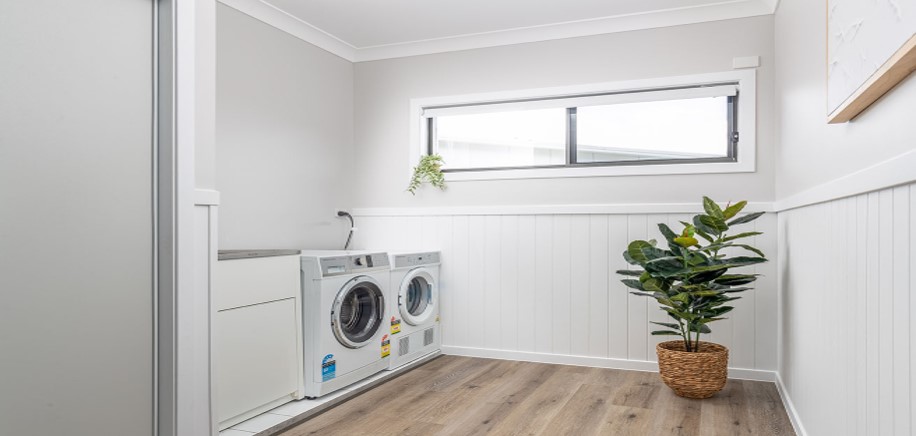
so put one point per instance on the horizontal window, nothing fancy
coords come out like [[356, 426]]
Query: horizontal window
[[681, 125], [643, 127]]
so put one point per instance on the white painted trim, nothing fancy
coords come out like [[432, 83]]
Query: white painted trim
[[721, 10], [790, 408], [895, 171], [282, 20], [206, 197], [596, 362], [553, 209], [747, 107], [773, 4]]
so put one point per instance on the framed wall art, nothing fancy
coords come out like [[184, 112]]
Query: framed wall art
[[871, 47]]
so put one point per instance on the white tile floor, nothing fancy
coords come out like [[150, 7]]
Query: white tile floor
[[282, 413]]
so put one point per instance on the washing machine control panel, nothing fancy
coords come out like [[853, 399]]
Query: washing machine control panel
[[336, 265], [369, 261], [416, 259]]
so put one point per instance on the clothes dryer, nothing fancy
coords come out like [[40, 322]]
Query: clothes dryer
[[413, 306]]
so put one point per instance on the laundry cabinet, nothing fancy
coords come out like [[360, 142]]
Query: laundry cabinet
[[257, 349]]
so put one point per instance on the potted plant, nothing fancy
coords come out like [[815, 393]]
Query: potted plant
[[691, 283], [429, 170]]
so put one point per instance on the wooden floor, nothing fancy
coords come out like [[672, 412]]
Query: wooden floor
[[467, 396]]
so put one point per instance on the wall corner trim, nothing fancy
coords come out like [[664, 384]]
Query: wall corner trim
[[895, 171], [206, 197], [790, 408]]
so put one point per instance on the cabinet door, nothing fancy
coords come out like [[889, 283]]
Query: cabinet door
[[242, 282], [256, 356]]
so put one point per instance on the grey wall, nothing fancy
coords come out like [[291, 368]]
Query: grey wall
[[384, 88], [284, 129], [812, 152], [76, 336]]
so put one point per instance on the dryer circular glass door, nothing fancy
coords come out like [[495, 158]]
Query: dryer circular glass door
[[358, 312], [417, 297]]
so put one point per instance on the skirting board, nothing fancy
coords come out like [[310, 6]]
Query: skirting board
[[790, 408], [596, 362]]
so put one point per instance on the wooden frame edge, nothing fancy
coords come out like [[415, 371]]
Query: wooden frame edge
[[897, 68]]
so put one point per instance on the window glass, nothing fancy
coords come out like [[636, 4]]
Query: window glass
[[502, 139], [694, 128]]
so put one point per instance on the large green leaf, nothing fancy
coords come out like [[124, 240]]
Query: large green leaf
[[733, 210], [631, 283], [712, 209], [665, 267], [670, 325], [736, 279], [634, 250], [741, 235], [745, 260], [696, 327], [665, 333], [652, 253], [717, 225], [706, 293], [719, 311], [667, 233], [754, 250], [746, 218], [629, 272], [653, 285]]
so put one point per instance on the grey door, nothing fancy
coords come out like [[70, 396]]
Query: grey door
[[76, 217]]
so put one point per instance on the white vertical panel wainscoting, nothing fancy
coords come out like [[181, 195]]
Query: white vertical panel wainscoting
[[848, 353], [539, 284]]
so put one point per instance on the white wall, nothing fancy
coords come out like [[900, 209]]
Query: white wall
[[848, 354], [284, 123], [812, 152], [76, 230], [384, 88], [542, 286], [847, 339]]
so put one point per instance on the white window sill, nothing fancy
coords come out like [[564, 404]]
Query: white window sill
[[602, 171]]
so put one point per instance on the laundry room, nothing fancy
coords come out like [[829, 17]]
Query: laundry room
[[302, 217]]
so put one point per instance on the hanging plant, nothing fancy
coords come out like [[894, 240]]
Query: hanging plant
[[429, 170]]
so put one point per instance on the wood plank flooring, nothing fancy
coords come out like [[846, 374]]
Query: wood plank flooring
[[455, 395]]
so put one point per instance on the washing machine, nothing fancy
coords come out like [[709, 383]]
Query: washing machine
[[344, 308], [413, 306]]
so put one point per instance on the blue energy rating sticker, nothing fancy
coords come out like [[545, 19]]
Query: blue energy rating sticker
[[328, 368]]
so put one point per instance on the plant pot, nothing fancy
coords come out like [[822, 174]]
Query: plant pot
[[693, 374]]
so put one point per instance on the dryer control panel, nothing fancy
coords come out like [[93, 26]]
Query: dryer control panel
[[416, 259]]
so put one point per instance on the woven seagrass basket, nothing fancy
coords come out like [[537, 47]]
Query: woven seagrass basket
[[693, 375]]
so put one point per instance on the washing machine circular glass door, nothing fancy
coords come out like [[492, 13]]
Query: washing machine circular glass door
[[358, 312], [417, 297]]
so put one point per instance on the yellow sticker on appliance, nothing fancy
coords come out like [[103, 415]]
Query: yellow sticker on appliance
[[395, 325], [386, 346]]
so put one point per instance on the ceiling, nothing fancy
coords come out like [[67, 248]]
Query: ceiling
[[374, 29]]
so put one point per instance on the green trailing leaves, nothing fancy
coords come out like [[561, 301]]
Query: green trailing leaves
[[690, 278], [429, 170]]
